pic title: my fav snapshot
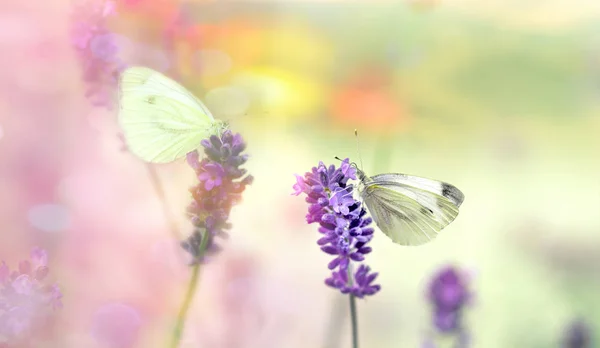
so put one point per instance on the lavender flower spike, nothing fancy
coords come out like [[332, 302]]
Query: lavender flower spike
[[577, 335], [97, 49], [343, 225], [449, 294], [220, 186]]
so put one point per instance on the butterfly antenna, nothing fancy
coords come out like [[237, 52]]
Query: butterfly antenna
[[358, 149]]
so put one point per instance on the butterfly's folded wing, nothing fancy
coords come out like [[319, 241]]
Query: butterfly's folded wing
[[438, 188], [411, 210], [160, 119]]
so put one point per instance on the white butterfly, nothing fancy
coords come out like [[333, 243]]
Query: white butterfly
[[409, 209], [161, 120]]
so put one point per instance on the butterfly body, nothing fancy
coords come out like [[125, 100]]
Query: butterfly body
[[411, 210]]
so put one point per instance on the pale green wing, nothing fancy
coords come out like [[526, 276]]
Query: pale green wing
[[435, 187], [160, 119], [411, 210]]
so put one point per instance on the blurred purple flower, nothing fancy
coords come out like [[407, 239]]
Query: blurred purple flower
[[26, 299], [343, 224], [449, 294], [445, 320], [221, 184], [55, 296], [39, 257], [22, 285], [104, 47], [448, 290], [577, 335], [81, 33], [97, 49]]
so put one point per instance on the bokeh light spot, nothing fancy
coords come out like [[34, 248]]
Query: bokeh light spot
[[227, 101], [210, 62], [138, 53], [116, 325], [49, 217]]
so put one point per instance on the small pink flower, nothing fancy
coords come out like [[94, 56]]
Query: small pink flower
[[4, 272], [193, 159], [39, 257], [26, 301], [81, 34], [213, 176], [104, 47], [300, 186], [55, 297], [23, 284]]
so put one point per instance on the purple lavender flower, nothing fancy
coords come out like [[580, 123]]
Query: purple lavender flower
[[104, 47], [39, 257], [221, 183], [341, 202], [577, 335], [27, 300], [446, 321], [81, 33], [448, 290], [449, 294], [300, 186], [97, 49], [343, 224], [212, 175]]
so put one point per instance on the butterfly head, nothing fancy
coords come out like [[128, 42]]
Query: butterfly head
[[219, 127], [361, 175]]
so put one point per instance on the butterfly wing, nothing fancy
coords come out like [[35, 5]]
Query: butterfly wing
[[411, 210], [160, 119], [438, 188]]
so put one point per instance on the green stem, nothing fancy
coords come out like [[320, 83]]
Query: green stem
[[353, 315], [354, 319], [332, 335], [189, 296], [163, 200]]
